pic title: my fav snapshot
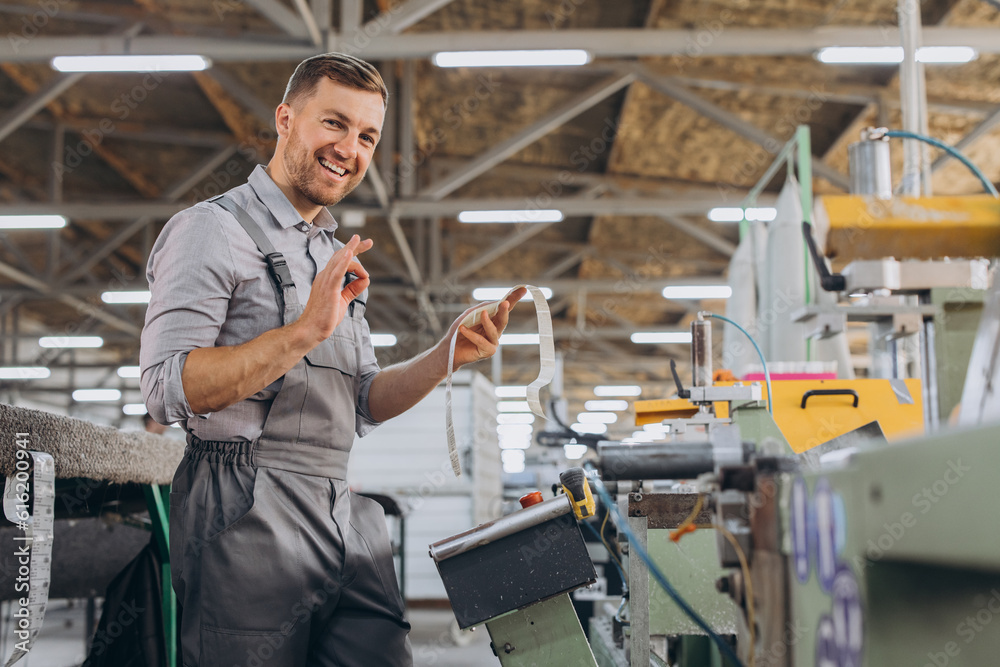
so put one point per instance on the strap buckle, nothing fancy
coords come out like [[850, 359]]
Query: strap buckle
[[279, 269]]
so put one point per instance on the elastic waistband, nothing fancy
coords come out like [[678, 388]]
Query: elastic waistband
[[298, 458]]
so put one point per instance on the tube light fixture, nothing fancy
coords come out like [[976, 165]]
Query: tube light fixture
[[134, 409], [515, 442], [893, 55], [97, 395], [136, 63], [574, 452], [511, 391], [737, 214], [526, 215], [679, 337], [24, 373], [70, 341], [513, 460], [513, 406], [383, 340], [128, 372], [513, 58], [497, 293], [596, 418], [519, 339], [592, 429], [130, 296], [514, 429], [515, 418], [598, 406], [32, 222], [605, 390], [697, 292]]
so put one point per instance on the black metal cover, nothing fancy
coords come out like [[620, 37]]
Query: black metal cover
[[532, 565]]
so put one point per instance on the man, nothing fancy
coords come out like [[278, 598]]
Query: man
[[273, 560]]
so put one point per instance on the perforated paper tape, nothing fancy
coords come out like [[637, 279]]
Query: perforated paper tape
[[38, 538], [546, 357]]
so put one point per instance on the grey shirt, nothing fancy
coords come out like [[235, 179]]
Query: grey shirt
[[210, 288]]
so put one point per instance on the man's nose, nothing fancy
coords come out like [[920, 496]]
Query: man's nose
[[347, 146]]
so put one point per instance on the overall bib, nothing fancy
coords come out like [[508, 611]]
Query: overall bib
[[274, 561]]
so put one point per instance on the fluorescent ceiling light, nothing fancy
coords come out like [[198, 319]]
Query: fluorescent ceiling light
[[134, 296], [656, 429], [383, 340], [893, 55], [513, 460], [697, 292], [497, 293], [511, 392], [128, 372], [97, 395], [593, 429], [515, 418], [71, 341], [737, 214], [596, 418], [134, 409], [519, 339], [534, 58], [643, 436], [32, 222], [515, 442], [606, 390], [163, 63], [513, 406], [574, 452], [514, 429], [528, 215], [24, 373], [680, 337], [596, 406]]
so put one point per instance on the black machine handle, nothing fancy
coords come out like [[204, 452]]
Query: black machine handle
[[829, 392], [831, 282]]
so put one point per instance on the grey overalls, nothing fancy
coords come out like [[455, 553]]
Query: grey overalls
[[273, 560]]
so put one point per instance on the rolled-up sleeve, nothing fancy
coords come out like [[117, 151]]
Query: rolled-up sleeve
[[364, 422], [192, 277]]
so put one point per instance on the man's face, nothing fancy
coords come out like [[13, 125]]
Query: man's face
[[331, 139]]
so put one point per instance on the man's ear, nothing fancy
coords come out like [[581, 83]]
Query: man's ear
[[283, 118]]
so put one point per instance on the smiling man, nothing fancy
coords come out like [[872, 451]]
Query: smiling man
[[274, 560]]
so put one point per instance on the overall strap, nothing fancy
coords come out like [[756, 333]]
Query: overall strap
[[276, 265]]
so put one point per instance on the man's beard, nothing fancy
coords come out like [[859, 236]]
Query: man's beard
[[302, 167]]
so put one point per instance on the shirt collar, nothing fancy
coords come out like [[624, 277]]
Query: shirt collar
[[277, 203]]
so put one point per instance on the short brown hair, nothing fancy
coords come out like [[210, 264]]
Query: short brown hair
[[339, 67]]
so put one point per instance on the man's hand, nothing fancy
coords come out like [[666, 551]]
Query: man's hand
[[329, 298], [481, 340]]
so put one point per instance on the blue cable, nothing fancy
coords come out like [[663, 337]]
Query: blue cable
[[954, 152], [635, 546], [767, 374]]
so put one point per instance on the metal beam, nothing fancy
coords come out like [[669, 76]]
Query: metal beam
[[564, 265], [261, 110], [123, 235], [484, 258], [602, 43], [570, 206], [411, 266], [278, 14], [984, 128], [31, 105], [312, 28], [402, 16], [527, 136], [82, 306], [731, 121], [707, 237]]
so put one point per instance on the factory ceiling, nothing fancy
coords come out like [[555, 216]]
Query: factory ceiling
[[681, 109]]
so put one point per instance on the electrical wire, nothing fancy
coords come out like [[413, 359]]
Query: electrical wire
[[683, 529], [614, 561], [954, 152], [658, 575], [604, 541], [767, 374]]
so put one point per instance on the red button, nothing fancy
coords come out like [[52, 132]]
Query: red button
[[530, 499]]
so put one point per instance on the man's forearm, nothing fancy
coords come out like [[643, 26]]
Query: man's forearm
[[216, 377], [398, 388]]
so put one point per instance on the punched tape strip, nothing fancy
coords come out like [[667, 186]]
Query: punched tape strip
[[37, 535], [547, 362]]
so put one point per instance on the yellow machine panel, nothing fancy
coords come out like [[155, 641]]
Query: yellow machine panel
[[825, 415], [861, 227]]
